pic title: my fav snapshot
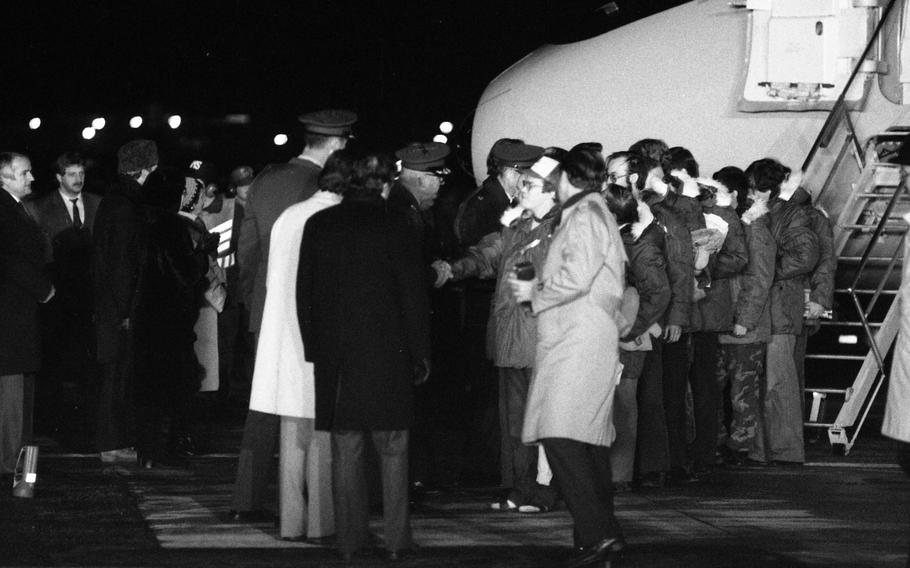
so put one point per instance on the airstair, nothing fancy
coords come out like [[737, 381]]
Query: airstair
[[849, 173]]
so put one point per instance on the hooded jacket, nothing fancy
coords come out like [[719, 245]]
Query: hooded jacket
[[797, 256]]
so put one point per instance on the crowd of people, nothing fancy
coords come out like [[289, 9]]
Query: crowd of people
[[635, 323]]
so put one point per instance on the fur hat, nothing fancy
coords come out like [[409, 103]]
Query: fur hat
[[137, 155]]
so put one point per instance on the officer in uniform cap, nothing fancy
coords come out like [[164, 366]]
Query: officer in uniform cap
[[333, 122], [480, 212], [277, 187], [240, 180], [479, 215]]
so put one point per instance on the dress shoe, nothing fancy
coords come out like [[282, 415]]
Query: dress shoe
[[399, 555], [250, 517], [144, 461], [653, 480], [621, 487], [682, 477], [185, 445], [124, 455], [597, 553], [328, 540], [349, 556]]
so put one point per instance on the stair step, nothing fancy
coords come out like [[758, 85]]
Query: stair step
[[848, 323], [881, 196], [835, 357], [876, 259], [872, 228], [826, 391], [865, 291]]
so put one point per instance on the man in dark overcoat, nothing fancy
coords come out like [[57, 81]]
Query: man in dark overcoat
[[23, 285], [364, 317], [118, 241]]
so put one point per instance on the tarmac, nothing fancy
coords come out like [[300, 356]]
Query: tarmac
[[833, 511]]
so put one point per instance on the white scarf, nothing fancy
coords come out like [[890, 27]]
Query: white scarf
[[759, 208], [645, 218]]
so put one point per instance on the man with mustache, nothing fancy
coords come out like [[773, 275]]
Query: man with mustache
[[66, 216]]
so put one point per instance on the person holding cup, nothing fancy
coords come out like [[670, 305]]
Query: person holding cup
[[520, 246], [578, 300]]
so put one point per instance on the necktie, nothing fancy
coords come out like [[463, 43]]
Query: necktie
[[77, 218]]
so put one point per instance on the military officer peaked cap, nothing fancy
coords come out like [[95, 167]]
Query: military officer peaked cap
[[516, 155], [241, 175], [332, 122], [424, 157]]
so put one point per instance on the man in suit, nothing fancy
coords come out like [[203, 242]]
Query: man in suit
[[364, 318], [23, 286], [66, 216], [276, 188]]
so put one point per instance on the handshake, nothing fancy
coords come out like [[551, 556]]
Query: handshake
[[443, 272]]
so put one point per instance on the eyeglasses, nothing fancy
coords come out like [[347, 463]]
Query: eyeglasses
[[528, 185], [613, 177]]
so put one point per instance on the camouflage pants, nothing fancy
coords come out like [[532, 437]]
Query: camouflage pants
[[744, 366]]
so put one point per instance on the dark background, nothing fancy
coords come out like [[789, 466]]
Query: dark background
[[403, 65]]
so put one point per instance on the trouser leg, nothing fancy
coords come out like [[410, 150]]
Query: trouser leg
[[584, 474], [319, 485], [350, 495], [783, 416], [514, 384], [675, 380], [745, 364], [506, 446], [653, 453], [392, 447], [116, 407], [260, 436], [292, 457], [12, 417], [625, 416], [705, 396], [799, 359]]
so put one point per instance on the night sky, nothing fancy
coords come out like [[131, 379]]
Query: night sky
[[402, 65]]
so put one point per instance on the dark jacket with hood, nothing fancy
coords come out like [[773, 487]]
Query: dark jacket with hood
[[647, 274], [512, 329], [716, 308], [680, 261], [797, 256], [821, 282]]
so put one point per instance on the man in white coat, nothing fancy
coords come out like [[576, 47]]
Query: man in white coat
[[283, 379]]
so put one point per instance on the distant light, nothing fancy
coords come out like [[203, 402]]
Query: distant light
[[98, 123], [174, 121], [34, 123], [88, 132], [441, 138], [280, 139], [237, 118], [445, 127], [136, 122], [848, 340]]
